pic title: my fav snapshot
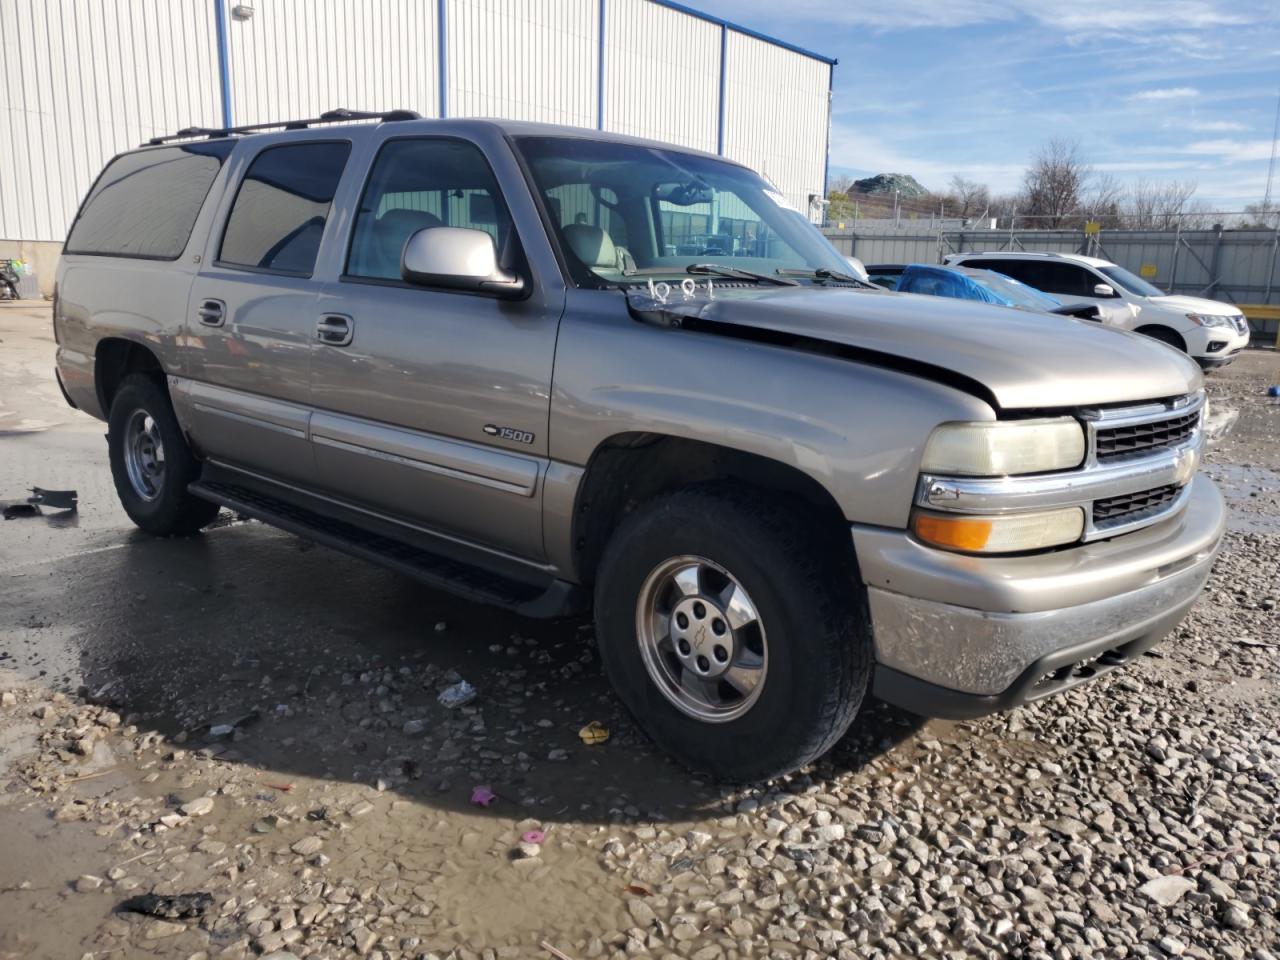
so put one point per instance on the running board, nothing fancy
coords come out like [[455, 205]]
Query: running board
[[546, 599]]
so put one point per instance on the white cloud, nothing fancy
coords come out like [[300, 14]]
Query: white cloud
[[1166, 93], [1231, 151], [1134, 16], [1215, 126]]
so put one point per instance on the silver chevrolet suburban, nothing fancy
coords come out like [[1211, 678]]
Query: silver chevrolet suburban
[[553, 369]]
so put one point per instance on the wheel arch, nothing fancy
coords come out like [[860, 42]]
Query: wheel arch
[[116, 358], [629, 469], [1163, 333]]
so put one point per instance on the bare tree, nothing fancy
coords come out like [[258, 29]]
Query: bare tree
[[966, 198], [1159, 206], [1055, 182], [1102, 199]]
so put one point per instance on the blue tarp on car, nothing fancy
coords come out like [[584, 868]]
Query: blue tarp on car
[[965, 283]]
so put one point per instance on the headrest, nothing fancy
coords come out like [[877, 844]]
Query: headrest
[[591, 245]]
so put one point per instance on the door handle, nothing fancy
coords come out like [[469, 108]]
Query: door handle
[[335, 330], [212, 313]]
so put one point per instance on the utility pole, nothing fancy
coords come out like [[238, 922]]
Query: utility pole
[[1271, 167], [896, 211]]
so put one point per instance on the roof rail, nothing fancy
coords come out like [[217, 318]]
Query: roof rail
[[340, 115]]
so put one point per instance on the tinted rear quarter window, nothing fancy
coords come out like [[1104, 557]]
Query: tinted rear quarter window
[[280, 210], [145, 203], [1050, 276]]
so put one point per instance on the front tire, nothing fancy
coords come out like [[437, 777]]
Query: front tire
[[734, 629], [151, 462]]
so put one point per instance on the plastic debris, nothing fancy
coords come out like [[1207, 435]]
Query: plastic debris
[[594, 732], [460, 694], [483, 796], [56, 499], [533, 836], [180, 906], [30, 506], [1273, 390]]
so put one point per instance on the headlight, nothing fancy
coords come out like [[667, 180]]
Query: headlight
[[1012, 533], [1209, 320], [998, 448]]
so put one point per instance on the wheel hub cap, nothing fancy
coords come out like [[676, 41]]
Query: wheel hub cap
[[701, 639], [144, 455]]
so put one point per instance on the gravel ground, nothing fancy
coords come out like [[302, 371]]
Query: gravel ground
[[322, 796]]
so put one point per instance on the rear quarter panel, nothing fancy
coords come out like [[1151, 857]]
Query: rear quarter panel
[[143, 301]]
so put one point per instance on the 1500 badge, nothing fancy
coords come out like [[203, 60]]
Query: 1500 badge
[[508, 433]]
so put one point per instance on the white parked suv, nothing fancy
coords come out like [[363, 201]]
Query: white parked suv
[[1212, 333]]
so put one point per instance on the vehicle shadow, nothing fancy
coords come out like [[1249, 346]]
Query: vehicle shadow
[[327, 667]]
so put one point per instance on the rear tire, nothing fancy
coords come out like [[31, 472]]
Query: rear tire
[[799, 627], [151, 462]]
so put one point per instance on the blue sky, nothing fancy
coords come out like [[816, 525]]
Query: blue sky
[[1152, 89]]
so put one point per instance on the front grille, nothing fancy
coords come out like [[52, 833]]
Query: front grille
[[1131, 506], [1113, 443]]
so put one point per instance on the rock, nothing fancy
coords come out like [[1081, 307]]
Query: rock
[[414, 728], [198, 807], [363, 938], [528, 850], [87, 883], [159, 929], [1172, 947], [1235, 916], [8, 699], [641, 913], [1167, 891], [307, 846]]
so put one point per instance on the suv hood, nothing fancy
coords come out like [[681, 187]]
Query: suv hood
[[1179, 304], [1025, 360]]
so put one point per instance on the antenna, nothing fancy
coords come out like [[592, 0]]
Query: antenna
[[1271, 167]]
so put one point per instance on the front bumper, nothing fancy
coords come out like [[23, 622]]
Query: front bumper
[[960, 636]]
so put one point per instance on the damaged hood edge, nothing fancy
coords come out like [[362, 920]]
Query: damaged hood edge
[[1012, 359]]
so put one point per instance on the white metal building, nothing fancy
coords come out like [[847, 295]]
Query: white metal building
[[81, 80]]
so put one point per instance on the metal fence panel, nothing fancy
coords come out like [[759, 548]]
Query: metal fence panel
[[1234, 266]]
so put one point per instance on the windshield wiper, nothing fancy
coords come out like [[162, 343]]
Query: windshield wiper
[[735, 273], [822, 273]]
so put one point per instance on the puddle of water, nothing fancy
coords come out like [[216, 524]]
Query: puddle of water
[[1251, 494]]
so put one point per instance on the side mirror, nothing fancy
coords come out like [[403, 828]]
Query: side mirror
[[457, 259], [1104, 290]]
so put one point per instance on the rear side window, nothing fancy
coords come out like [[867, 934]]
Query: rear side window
[[1051, 276], [144, 204], [279, 213]]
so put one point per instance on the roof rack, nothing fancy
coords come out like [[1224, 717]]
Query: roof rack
[[340, 115]]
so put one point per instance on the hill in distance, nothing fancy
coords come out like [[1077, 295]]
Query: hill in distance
[[886, 183]]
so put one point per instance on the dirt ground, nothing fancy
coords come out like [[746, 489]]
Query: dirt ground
[[250, 717]]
